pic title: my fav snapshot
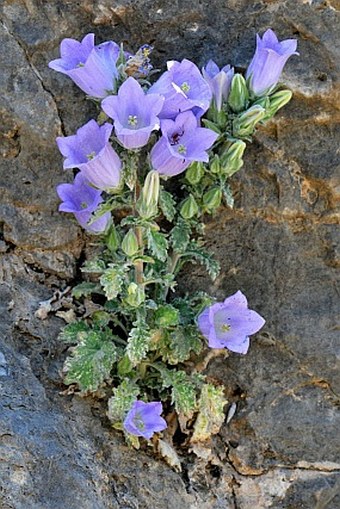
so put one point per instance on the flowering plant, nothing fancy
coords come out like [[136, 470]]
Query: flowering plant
[[144, 341]]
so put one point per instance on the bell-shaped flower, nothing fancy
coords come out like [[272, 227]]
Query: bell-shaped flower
[[144, 419], [182, 142], [135, 113], [82, 200], [73, 54], [91, 152], [268, 62], [184, 88], [92, 68], [219, 81], [229, 324]]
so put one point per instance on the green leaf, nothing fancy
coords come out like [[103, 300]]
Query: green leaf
[[180, 236], [183, 393], [84, 289], [183, 341], [166, 316], [112, 280], [158, 245], [211, 416], [228, 196], [211, 125], [167, 205], [138, 342], [72, 332], [204, 258], [91, 360], [102, 209], [122, 400], [93, 266]]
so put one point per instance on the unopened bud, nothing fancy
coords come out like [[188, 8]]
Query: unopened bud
[[189, 207], [277, 101], [215, 166], [194, 173], [238, 95], [130, 243], [148, 203], [212, 199], [231, 160], [135, 295], [245, 123], [113, 239]]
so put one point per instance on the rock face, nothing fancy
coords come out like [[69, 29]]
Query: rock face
[[280, 246]]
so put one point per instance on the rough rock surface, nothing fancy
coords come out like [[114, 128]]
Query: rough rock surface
[[280, 245]]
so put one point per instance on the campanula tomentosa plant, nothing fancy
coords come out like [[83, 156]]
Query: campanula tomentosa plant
[[144, 343]]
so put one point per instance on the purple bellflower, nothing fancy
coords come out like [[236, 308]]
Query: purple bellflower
[[92, 68], [81, 199], [228, 324], [268, 61], [219, 81], [182, 143], [135, 113], [144, 419], [91, 152], [73, 54], [184, 88]]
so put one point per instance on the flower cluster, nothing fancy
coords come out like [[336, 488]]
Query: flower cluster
[[191, 123]]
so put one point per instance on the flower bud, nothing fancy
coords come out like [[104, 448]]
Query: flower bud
[[245, 123], [238, 95], [212, 199], [194, 173], [147, 205], [215, 166], [135, 296], [130, 243], [189, 207], [277, 101], [231, 159], [113, 239]]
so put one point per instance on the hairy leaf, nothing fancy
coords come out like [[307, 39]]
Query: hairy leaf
[[183, 340], [112, 281], [158, 245], [228, 196], [211, 416], [93, 266], [72, 332], [91, 360], [203, 257], [180, 236], [84, 289], [167, 205], [138, 342], [183, 393], [122, 400]]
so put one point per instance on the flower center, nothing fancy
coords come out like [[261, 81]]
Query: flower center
[[185, 87], [181, 149], [174, 139], [83, 205], [133, 120], [139, 423], [225, 327], [91, 156]]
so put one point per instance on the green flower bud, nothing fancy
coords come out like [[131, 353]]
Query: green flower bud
[[245, 123], [231, 159], [277, 101], [238, 95], [147, 205], [130, 243], [194, 173], [135, 296], [113, 239], [212, 199], [215, 166], [189, 207]]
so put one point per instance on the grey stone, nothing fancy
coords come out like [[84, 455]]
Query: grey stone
[[280, 246]]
